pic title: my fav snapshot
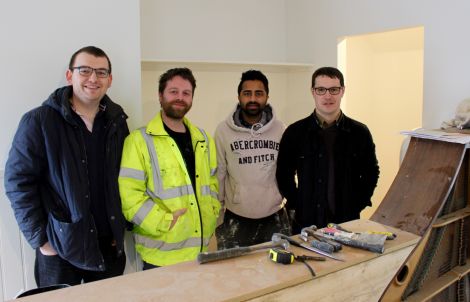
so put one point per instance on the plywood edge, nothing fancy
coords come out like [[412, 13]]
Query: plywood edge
[[436, 286], [452, 217]]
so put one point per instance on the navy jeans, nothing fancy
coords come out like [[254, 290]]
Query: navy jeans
[[51, 270]]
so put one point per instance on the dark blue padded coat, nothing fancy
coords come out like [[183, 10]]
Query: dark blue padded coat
[[47, 183]]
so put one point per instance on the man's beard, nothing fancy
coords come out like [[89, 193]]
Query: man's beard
[[253, 112], [175, 113]]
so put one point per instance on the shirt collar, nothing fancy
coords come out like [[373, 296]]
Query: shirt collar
[[323, 124]]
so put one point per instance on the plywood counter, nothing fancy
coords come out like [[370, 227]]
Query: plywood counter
[[361, 277]]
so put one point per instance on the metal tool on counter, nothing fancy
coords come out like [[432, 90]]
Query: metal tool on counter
[[319, 241], [390, 235], [306, 246], [371, 242], [286, 257], [276, 242], [281, 256]]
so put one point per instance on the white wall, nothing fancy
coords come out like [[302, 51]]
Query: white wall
[[446, 46], [245, 34], [214, 30], [38, 38], [305, 31]]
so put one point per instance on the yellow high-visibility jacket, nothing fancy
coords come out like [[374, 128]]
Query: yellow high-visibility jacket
[[154, 182]]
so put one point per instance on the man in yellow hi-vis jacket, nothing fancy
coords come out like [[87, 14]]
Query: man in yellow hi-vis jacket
[[168, 181]]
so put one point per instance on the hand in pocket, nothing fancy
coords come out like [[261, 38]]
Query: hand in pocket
[[176, 215], [47, 250]]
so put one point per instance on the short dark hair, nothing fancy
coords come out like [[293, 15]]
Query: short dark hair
[[330, 72], [253, 75], [183, 72], [92, 50]]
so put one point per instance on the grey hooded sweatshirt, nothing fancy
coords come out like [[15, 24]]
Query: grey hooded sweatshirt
[[246, 160]]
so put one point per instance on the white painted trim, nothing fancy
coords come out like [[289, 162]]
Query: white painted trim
[[225, 66]]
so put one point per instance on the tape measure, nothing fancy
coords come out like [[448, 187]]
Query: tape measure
[[281, 256]]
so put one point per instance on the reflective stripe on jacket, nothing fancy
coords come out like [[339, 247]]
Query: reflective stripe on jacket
[[154, 182]]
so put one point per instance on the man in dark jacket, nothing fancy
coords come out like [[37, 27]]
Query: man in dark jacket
[[332, 156], [61, 176]]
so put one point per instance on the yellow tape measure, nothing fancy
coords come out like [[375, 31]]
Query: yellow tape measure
[[281, 256]]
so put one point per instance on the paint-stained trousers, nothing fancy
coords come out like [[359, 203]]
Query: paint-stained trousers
[[238, 231]]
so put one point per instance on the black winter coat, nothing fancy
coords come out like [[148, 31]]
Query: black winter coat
[[47, 183], [303, 153]]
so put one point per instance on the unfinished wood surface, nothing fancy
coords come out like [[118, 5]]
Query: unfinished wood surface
[[247, 277], [421, 186], [428, 196], [363, 282], [394, 290]]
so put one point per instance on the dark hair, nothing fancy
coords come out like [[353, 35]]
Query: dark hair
[[183, 72], [92, 50], [253, 75], [330, 72]]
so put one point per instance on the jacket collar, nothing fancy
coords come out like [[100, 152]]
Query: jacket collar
[[322, 124], [60, 101], [343, 122], [155, 127]]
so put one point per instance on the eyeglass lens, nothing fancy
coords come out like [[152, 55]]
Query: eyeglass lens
[[87, 71], [331, 90]]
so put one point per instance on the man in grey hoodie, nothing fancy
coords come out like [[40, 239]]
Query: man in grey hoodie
[[247, 148]]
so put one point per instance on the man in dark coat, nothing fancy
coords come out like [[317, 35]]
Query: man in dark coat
[[61, 176], [331, 155]]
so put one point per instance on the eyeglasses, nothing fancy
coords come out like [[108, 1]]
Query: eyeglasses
[[86, 71], [331, 90]]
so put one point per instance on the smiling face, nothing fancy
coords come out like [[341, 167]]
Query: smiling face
[[88, 90], [327, 105], [177, 98]]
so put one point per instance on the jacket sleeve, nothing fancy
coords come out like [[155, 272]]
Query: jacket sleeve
[[214, 182], [286, 168], [137, 206], [221, 165], [24, 171], [371, 170]]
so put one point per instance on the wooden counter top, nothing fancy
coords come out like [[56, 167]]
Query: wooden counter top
[[361, 277]]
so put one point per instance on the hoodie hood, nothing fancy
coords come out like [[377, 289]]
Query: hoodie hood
[[59, 101], [235, 122]]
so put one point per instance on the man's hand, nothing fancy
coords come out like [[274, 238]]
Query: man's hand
[[47, 250], [177, 214]]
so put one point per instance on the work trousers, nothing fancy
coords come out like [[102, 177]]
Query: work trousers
[[238, 231], [147, 266], [52, 270]]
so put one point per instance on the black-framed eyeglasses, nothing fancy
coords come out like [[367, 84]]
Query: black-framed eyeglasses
[[331, 90], [86, 71]]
